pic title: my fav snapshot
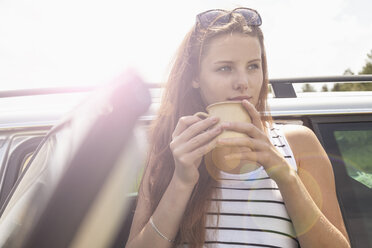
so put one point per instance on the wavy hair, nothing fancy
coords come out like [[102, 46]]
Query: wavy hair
[[181, 99]]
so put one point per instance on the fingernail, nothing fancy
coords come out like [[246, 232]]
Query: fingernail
[[246, 102]]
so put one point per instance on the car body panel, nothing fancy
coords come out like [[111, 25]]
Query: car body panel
[[30, 116]]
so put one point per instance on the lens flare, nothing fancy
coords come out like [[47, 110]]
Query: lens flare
[[218, 157], [211, 168], [312, 186], [215, 161]]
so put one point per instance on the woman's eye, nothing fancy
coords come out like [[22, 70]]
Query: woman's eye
[[225, 68], [253, 66]]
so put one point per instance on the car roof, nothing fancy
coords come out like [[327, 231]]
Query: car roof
[[46, 110], [44, 107], [321, 103]]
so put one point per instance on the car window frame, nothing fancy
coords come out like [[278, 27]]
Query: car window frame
[[346, 194]]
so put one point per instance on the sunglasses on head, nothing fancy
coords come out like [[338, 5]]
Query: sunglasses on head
[[219, 17]]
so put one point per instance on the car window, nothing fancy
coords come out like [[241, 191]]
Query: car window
[[356, 151], [20, 150], [25, 162], [349, 147]]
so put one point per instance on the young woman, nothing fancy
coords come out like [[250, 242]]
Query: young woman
[[286, 199]]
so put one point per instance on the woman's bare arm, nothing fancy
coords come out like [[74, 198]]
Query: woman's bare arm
[[310, 196], [191, 140], [167, 217]]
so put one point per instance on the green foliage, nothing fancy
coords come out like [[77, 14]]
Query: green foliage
[[352, 87], [356, 147], [356, 150], [348, 71], [270, 89], [367, 69], [348, 139], [308, 88], [364, 178], [325, 88]]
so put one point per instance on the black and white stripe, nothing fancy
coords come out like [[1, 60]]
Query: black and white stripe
[[248, 209]]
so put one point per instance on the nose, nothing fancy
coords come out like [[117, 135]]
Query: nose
[[241, 82]]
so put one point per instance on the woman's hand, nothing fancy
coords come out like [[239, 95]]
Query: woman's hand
[[261, 149], [191, 140]]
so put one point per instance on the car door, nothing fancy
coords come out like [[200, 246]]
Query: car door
[[347, 140], [78, 179]]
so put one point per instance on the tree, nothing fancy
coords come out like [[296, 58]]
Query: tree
[[348, 71], [367, 69], [352, 86], [270, 89], [308, 88], [325, 88]]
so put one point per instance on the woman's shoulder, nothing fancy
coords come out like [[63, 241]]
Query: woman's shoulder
[[293, 133], [301, 139], [298, 136], [297, 132]]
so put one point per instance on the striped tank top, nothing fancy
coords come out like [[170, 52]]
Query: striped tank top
[[252, 211]]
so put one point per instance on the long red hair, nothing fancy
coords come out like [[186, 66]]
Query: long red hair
[[181, 99]]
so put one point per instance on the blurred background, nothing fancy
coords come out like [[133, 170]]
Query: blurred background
[[49, 43]]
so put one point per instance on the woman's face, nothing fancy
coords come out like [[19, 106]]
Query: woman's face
[[231, 69]]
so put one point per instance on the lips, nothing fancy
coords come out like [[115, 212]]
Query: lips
[[240, 98]]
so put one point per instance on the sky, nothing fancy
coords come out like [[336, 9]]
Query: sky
[[49, 43]]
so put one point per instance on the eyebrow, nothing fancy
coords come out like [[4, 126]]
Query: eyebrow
[[229, 61]]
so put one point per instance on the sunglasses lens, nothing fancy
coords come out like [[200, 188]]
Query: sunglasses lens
[[215, 17], [251, 16], [221, 17]]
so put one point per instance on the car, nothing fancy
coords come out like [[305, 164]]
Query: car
[[61, 147]]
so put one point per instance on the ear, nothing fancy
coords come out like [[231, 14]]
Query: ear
[[195, 84]]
